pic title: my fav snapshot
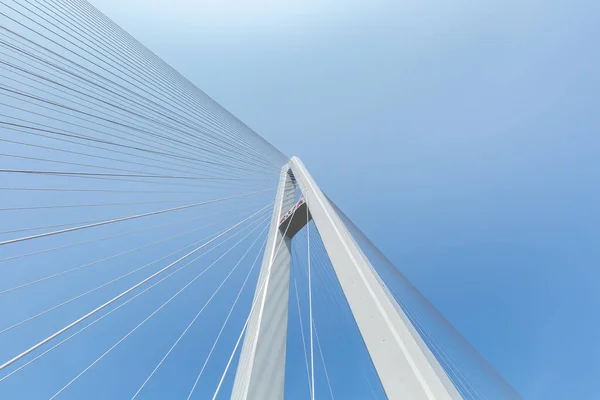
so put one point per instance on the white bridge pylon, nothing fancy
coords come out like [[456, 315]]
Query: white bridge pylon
[[406, 367]]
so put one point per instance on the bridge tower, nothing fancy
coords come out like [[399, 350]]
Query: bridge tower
[[406, 367]]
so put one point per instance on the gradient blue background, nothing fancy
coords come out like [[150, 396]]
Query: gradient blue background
[[462, 137]]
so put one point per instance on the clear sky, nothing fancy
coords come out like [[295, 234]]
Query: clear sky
[[462, 137]]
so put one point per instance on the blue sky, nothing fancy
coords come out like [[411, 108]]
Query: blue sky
[[461, 138]]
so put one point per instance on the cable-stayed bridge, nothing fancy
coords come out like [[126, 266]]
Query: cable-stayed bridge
[[153, 246]]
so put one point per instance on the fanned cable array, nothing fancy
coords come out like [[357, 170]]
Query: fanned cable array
[[134, 211]]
